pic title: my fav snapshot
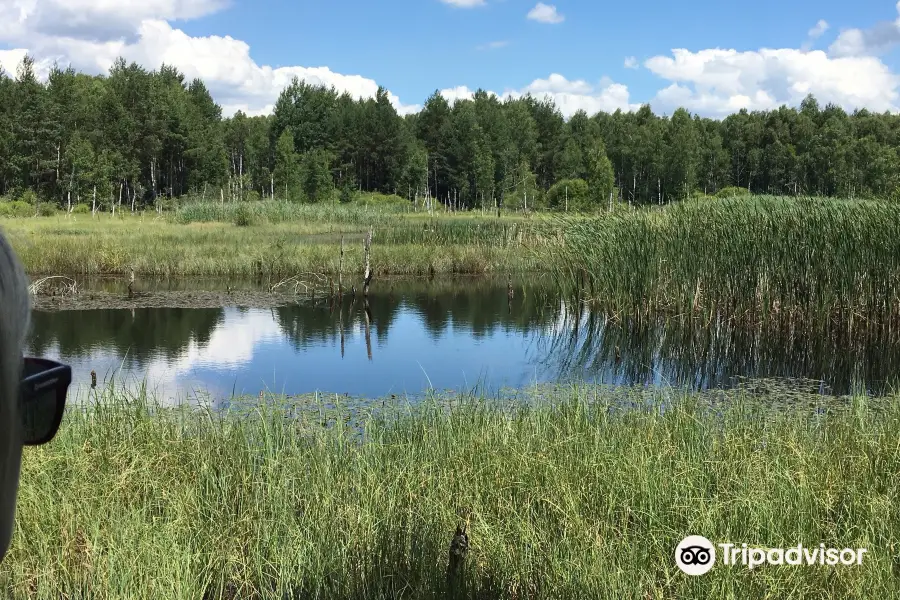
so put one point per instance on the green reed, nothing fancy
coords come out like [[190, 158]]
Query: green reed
[[763, 254], [568, 493]]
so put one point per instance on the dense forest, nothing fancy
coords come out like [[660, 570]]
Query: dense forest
[[134, 135]]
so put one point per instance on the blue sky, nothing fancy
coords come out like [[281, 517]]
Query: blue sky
[[247, 50], [416, 46]]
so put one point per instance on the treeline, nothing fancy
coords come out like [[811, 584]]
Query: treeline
[[133, 135]]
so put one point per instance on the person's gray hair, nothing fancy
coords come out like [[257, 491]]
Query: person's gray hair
[[15, 314]]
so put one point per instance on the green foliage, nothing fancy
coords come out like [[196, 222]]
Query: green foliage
[[29, 197], [382, 200], [243, 215], [135, 130], [601, 178], [749, 256], [571, 193], [316, 176], [46, 209], [81, 209], [287, 166], [731, 192], [347, 194], [16, 208]]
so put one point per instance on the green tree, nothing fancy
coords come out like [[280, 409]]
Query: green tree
[[287, 165], [317, 183]]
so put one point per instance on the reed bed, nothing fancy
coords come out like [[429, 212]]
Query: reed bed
[[763, 255], [583, 494]]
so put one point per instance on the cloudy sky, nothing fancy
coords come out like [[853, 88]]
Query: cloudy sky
[[709, 56]]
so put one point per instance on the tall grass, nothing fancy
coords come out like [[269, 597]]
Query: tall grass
[[273, 212], [572, 498], [279, 241], [765, 254]]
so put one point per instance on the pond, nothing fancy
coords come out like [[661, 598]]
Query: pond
[[442, 335]]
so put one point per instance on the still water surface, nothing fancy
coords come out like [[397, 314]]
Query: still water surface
[[443, 335]]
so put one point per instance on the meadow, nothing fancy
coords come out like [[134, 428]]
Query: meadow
[[273, 240], [567, 492]]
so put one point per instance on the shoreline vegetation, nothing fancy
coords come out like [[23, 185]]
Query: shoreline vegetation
[[575, 492], [746, 257]]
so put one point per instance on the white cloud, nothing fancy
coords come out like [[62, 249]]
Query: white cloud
[[224, 63], [867, 42], [545, 13], [718, 81], [569, 96], [91, 34], [464, 3], [95, 20], [819, 28]]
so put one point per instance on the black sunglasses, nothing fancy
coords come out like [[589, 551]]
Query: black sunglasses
[[42, 399]]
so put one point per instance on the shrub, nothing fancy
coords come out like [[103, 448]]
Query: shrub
[[46, 209], [732, 191], [243, 216], [28, 197], [81, 209], [575, 189], [347, 195], [17, 208]]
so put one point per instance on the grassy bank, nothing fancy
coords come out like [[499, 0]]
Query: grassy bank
[[275, 241], [764, 254], [570, 499]]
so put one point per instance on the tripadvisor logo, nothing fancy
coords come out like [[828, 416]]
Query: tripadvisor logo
[[696, 555]]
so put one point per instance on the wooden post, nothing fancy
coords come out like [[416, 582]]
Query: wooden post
[[367, 277], [456, 566], [368, 315], [341, 278]]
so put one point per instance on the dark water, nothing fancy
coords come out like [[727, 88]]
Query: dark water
[[447, 336]]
